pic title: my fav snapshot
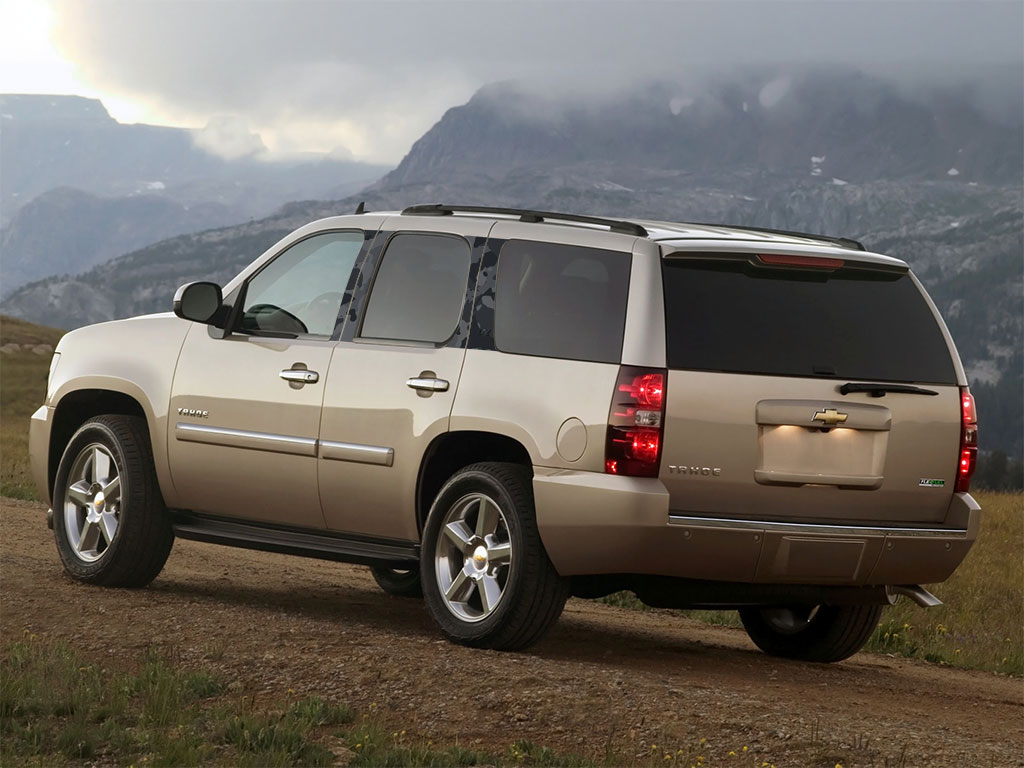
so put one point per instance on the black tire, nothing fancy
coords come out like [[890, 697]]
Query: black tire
[[142, 539], [532, 593], [823, 633], [397, 582]]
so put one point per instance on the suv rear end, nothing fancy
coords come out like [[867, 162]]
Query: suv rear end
[[811, 443]]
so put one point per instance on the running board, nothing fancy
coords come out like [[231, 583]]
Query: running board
[[303, 543]]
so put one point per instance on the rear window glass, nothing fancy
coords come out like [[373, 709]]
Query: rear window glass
[[730, 315], [561, 301]]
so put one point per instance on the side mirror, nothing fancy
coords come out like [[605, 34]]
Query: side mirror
[[198, 302]]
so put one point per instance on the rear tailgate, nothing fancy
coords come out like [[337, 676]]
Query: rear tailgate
[[756, 425]]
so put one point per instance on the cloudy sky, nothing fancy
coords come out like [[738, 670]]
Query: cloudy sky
[[368, 78]]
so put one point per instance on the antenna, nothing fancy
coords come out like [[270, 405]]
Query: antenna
[[361, 208]]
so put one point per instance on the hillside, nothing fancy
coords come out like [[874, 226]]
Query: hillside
[[25, 351], [824, 123], [68, 231]]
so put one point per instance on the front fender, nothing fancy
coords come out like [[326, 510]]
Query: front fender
[[135, 358]]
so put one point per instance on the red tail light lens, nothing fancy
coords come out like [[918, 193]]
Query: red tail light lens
[[636, 423], [968, 441]]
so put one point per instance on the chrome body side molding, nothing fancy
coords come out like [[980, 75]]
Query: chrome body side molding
[[357, 453], [292, 444], [240, 438]]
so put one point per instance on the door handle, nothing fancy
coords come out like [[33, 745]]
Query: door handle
[[427, 385], [300, 376]]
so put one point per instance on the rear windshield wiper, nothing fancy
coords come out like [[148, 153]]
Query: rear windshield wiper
[[879, 390]]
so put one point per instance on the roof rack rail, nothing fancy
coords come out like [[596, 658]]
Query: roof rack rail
[[844, 242], [615, 225]]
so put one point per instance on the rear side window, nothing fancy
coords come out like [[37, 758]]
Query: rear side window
[[851, 323], [561, 301], [419, 289]]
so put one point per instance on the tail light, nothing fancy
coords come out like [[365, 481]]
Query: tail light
[[636, 423], [968, 440]]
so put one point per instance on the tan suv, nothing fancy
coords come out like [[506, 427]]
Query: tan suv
[[497, 408]]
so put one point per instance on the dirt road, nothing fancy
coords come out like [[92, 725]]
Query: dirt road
[[605, 679]]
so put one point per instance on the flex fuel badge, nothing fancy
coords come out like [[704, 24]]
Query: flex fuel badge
[[926, 483]]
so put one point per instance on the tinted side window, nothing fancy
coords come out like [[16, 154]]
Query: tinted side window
[[561, 301], [729, 315], [419, 289], [300, 291]]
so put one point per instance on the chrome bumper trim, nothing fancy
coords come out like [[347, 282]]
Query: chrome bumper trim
[[240, 438], [358, 453], [822, 528]]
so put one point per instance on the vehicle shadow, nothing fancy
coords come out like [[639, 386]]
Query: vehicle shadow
[[575, 638]]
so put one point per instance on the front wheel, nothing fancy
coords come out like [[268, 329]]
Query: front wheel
[[486, 577], [109, 518], [823, 633]]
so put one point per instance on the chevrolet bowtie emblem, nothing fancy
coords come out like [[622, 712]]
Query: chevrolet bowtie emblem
[[830, 416]]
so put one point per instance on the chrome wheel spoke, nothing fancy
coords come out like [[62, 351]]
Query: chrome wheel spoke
[[112, 491], [487, 518], [461, 588], [500, 553], [100, 465], [80, 494], [90, 537], [490, 592], [459, 535], [108, 526]]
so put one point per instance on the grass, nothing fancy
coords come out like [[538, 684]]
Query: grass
[[981, 624], [22, 389], [57, 709]]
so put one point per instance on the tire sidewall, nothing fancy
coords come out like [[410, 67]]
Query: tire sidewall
[[91, 432], [461, 485]]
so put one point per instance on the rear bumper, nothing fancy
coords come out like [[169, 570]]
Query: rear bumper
[[40, 424], [603, 524]]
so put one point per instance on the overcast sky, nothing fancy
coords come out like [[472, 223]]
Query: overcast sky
[[368, 78]]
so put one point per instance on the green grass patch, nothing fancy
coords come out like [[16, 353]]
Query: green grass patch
[[58, 709]]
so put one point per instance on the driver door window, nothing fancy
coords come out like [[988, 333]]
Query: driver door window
[[300, 292]]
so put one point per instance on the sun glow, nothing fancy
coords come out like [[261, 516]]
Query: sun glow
[[29, 62]]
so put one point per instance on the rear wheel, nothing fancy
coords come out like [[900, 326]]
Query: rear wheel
[[486, 577], [110, 522], [397, 581], [823, 633]]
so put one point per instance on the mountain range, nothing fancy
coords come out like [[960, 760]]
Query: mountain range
[[78, 187], [930, 177]]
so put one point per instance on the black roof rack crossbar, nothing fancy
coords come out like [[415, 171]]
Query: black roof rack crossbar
[[615, 225], [845, 242]]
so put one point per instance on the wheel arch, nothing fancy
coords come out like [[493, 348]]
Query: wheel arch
[[76, 406], [449, 452]]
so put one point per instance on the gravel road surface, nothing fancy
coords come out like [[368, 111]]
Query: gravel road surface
[[606, 680]]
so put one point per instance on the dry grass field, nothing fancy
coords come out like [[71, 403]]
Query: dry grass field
[[24, 363]]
